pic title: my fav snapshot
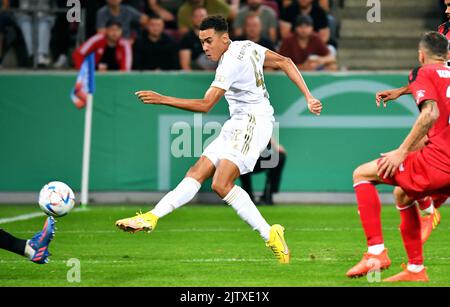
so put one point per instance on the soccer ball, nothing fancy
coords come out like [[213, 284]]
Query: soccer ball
[[56, 199]]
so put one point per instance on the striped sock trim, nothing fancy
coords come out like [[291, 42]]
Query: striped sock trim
[[361, 182], [407, 207], [232, 195]]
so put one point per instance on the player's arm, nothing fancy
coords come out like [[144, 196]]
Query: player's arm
[[277, 61], [212, 96], [393, 94], [392, 160], [421, 144]]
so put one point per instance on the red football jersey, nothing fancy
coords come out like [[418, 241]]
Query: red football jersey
[[432, 82]]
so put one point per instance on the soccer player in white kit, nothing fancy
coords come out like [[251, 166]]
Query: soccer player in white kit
[[243, 137]]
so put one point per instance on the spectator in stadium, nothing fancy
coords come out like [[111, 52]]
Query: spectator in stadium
[[6, 19], [266, 14], [60, 36], [333, 23], [273, 172], [289, 14], [191, 53], [253, 31], [306, 48], [213, 7], [112, 51], [43, 23], [167, 9], [126, 15], [155, 50], [234, 6]]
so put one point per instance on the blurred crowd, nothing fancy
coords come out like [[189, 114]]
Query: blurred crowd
[[162, 34]]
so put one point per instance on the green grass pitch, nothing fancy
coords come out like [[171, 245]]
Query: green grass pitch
[[211, 246]]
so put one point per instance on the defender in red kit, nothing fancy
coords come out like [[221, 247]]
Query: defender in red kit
[[419, 168], [431, 217]]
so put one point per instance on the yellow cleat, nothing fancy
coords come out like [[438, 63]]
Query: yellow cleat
[[278, 244], [141, 222]]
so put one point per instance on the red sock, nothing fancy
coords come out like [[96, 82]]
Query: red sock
[[439, 200], [425, 203], [410, 230], [369, 207]]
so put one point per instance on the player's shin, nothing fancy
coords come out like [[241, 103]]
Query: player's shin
[[181, 195], [247, 211], [410, 231], [369, 208]]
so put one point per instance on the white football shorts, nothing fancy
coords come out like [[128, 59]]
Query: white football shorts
[[241, 140]]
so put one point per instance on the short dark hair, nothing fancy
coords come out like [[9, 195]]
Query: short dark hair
[[435, 43], [113, 22], [216, 22]]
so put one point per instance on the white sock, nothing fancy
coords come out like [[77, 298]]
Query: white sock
[[415, 268], [246, 209], [429, 210], [376, 249], [29, 252], [182, 194]]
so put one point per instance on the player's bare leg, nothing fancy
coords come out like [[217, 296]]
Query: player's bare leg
[[410, 231], [369, 207], [182, 194], [223, 184]]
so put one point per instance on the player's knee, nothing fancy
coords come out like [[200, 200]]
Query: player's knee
[[358, 175], [199, 172], [221, 188], [193, 173]]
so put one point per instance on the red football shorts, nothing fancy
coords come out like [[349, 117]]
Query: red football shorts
[[418, 179]]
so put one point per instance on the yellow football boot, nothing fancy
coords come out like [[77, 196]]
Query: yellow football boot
[[278, 244], [141, 222]]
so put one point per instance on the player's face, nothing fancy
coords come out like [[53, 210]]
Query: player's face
[[214, 43], [114, 33]]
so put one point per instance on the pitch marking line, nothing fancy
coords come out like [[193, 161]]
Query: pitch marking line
[[29, 216], [22, 217]]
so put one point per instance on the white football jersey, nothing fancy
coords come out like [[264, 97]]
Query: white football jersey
[[240, 74]]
